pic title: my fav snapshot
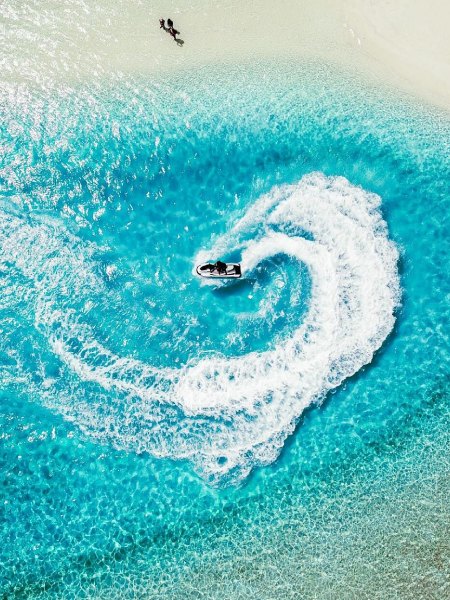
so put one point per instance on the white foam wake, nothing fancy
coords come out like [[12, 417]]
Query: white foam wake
[[227, 415]]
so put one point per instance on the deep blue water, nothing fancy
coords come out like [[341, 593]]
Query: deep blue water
[[147, 445]]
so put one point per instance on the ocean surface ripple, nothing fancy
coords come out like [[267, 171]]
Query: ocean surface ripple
[[232, 413], [137, 401]]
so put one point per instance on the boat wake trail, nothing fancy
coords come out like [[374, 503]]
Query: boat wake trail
[[226, 414]]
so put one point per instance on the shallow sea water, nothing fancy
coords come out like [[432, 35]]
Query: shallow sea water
[[285, 436]]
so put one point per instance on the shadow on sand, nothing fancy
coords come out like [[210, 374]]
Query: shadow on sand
[[168, 29]]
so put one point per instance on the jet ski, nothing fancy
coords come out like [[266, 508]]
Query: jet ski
[[219, 270]]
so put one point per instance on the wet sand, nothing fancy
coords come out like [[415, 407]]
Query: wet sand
[[399, 42]]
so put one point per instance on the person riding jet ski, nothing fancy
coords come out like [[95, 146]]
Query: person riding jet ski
[[221, 267]]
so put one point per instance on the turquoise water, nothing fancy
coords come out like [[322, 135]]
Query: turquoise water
[[284, 436]]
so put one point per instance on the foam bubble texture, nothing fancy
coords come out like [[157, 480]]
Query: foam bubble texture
[[227, 414]]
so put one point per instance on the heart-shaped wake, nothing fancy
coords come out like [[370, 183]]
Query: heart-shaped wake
[[228, 415]]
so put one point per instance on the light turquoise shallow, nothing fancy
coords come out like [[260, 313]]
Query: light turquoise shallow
[[108, 193]]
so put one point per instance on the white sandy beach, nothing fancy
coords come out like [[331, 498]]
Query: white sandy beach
[[404, 43]]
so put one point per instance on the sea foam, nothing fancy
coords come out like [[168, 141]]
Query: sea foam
[[226, 414]]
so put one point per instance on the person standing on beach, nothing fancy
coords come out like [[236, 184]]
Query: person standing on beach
[[173, 32], [171, 29]]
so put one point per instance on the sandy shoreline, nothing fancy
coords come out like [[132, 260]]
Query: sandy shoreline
[[407, 43], [398, 42]]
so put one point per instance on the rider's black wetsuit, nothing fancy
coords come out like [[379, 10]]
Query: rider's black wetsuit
[[221, 266]]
